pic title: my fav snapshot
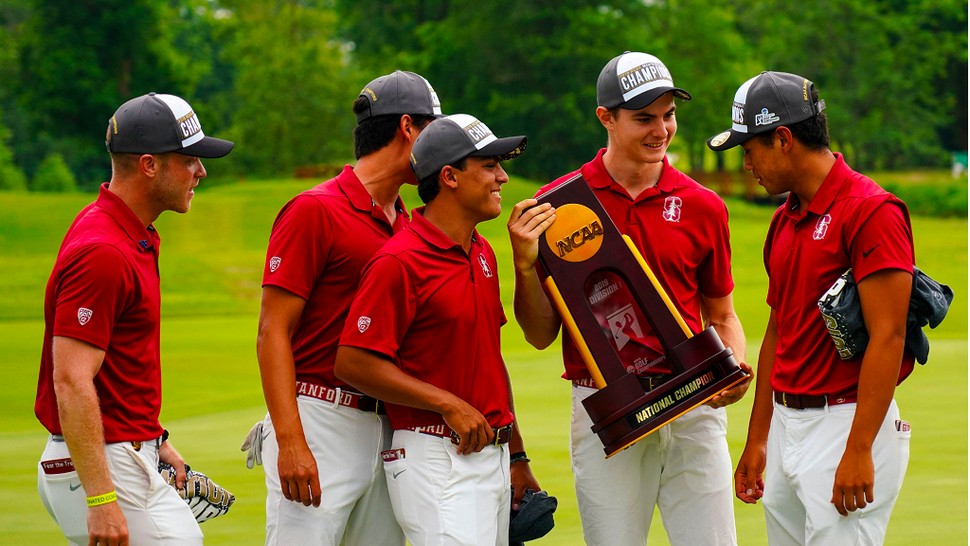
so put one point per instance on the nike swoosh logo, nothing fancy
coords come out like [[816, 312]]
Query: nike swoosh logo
[[74, 487], [398, 473], [866, 253]]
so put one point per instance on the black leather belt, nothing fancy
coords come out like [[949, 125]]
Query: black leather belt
[[502, 435], [808, 401]]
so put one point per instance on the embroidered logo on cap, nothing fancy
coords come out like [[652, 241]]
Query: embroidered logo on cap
[[274, 264], [84, 315], [363, 323], [765, 117]]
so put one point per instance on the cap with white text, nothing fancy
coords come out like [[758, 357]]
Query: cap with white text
[[399, 93], [764, 103], [157, 123], [633, 81], [450, 139]]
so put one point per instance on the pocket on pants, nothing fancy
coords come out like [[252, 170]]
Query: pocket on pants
[[903, 433], [61, 492], [395, 463]]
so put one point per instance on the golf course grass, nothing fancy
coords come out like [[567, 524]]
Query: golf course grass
[[211, 265]]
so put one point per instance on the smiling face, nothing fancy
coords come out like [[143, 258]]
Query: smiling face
[[175, 182], [643, 135], [479, 187]]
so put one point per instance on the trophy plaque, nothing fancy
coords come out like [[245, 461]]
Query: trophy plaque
[[606, 293]]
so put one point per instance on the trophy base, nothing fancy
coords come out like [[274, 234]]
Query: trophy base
[[625, 411]]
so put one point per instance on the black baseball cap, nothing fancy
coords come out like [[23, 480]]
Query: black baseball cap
[[764, 103], [453, 138], [156, 124], [633, 81], [399, 93], [534, 518]]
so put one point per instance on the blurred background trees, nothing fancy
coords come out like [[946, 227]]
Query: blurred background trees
[[279, 76]]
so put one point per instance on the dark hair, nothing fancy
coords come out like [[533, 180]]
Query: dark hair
[[372, 134], [428, 187], [813, 132]]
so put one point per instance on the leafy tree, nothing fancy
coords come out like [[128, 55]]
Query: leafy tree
[[879, 65], [53, 175], [80, 60], [521, 67], [11, 177], [293, 88]]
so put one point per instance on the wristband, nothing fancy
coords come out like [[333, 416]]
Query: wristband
[[519, 457], [98, 500]]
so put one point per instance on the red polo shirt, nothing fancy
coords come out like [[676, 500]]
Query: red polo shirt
[[436, 312], [104, 290], [851, 222], [680, 228], [320, 243]]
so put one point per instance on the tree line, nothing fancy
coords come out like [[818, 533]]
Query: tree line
[[279, 76]]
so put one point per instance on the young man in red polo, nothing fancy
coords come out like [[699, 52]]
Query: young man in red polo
[[826, 448], [423, 334], [99, 391], [323, 439], [681, 229]]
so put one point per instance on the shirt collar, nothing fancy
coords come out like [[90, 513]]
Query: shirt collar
[[145, 237], [826, 193], [354, 189], [434, 236], [830, 187], [598, 177]]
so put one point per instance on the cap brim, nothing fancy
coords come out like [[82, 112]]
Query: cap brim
[[727, 140], [208, 147], [504, 148], [646, 99]]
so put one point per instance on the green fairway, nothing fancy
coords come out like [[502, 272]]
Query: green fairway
[[211, 263]]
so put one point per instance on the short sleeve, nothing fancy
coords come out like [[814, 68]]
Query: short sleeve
[[883, 241], [91, 293], [383, 309], [714, 275], [298, 246]]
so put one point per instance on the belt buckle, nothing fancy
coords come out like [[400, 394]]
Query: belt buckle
[[784, 400], [136, 445], [507, 429]]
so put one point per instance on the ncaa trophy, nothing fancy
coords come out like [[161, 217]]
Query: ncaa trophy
[[604, 290]]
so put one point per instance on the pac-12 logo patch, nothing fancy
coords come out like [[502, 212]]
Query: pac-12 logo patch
[[672, 208], [486, 270], [822, 227], [274, 264], [84, 315], [363, 323]]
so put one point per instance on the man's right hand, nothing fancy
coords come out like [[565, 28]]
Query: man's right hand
[[526, 223], [299, 478], [107, 525], [749, 482], [472, 428]]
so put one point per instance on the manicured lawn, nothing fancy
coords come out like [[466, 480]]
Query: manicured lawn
[[211, 268]]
